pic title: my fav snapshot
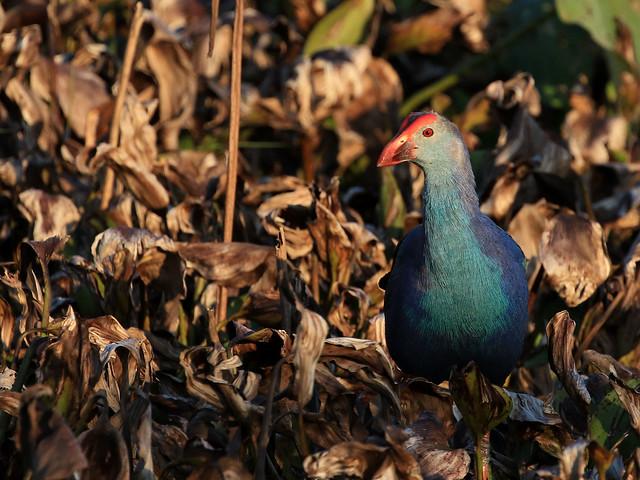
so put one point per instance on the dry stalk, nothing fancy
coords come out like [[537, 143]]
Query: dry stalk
[[234, 138], [215, 8], [114, 134]]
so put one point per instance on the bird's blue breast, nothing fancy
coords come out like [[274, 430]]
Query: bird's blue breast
[[457, 296]]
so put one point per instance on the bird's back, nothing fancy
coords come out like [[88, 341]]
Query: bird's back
[[476, 309]]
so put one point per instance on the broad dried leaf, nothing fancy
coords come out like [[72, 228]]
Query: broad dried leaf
[[528, 225], [44, 439], [307, 347], [135, 157], [177, 83], [574, 256], [34, 112], [7, 378], [51, 215], [561, 340], [78, 91], [234, 264], [106, 452], [116, 251], [591, 134], [428, 443]]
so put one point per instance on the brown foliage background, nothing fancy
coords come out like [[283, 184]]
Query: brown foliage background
[[114, 361]]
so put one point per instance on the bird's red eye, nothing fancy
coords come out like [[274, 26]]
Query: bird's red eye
[[427, 132]]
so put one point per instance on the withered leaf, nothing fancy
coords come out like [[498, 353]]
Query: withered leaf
[[307, 348], [120, 352], [116, 250], [483, 405], [78, 91], [427, 33], [45, 440], [428, 443], [528, 225], [527, 408], [574, 256], [234, 264], [561, 340], [177, 83], [573, 461], [349, 458], [51, 215], [10, 402], [24, 41], [106, 452], [216, 377]]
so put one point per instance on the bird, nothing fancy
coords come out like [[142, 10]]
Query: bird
[[457, 289]]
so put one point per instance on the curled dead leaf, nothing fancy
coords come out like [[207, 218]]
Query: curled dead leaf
[[307, 348], [561, 340], [216, 377]]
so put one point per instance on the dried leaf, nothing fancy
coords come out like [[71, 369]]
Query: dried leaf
[[573, 461], [52, 215], [78, 91], [177, 83], [307, 348], [106, 452], [560, 332], [574, 256], [427, 33], [116, 251], [528, 225], [527, 408], [44, 439], [233, 264], [483, 405], [428, 443]]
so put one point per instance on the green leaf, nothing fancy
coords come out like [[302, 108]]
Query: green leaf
[[483, 405], [342, 26], [599, 17], [609, 421]]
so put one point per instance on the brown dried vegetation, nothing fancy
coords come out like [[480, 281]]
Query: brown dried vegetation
[[114, 363]]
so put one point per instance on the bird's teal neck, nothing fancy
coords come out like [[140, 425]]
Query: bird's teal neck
[[450, 204]]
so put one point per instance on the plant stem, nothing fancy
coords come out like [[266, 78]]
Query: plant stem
[[215, 8], [114, 133], [265, 432], [234, 139], [46, 302], [304, 445], [469, 64], [483, 469]]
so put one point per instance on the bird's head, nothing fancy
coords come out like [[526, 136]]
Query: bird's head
[[427, 139]]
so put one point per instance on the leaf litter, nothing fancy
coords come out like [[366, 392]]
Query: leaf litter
[[114, 363]]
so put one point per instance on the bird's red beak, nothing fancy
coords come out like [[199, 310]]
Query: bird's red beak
[[400, 149]]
